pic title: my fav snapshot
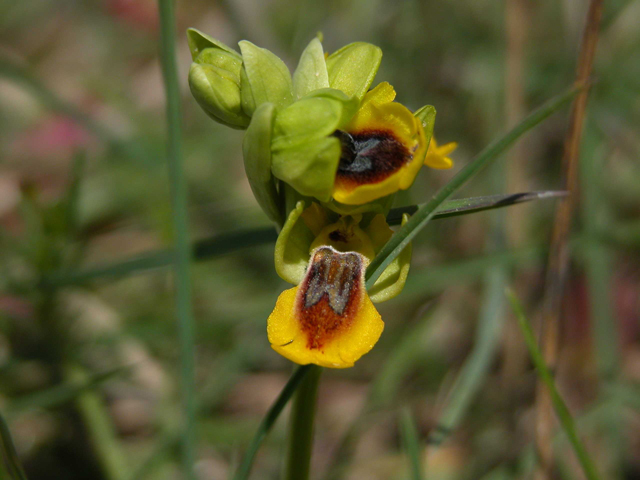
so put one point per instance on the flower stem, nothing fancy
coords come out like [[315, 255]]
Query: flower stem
[[301, 427]]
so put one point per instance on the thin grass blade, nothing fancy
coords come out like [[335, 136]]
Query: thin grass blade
[[225, 243], [425, 213], [566, 420], [183, 253], [476, 367], [61, 394], [269, 420], [411, 443], [464, 206], [9, 454]]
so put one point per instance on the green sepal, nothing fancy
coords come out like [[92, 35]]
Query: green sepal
[[349, 104], [248, 103], [291, 253], [256, 150], [310, 167], [353, 68], [214, 79], [267, 75], [393, 278], [198, 41], [306, 120], [311, 73], [427, 115]]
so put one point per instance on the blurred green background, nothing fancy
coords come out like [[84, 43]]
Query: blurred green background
[[89, 377]]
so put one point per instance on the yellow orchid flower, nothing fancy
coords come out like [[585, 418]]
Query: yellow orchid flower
[[383, 148], [328, 319]]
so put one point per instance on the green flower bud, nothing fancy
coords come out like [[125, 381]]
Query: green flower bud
[[217, 89], [214, 79]]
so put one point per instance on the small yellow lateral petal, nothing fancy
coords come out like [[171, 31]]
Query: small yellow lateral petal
[[437, 155]]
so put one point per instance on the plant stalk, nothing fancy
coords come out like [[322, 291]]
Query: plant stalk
[[301, 427]]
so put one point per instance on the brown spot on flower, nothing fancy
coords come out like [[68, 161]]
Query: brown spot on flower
[[329, 295], [370, 156]]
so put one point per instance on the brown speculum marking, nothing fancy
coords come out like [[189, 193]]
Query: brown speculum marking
[[370, 156], [329, 295]]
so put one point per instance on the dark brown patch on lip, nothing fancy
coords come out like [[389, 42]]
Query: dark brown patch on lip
[[370, 156], [329, 295]]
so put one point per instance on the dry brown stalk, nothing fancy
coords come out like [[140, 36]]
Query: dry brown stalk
[[558, 261]]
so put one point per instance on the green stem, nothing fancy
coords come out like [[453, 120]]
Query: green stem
[[301, 427], [183, 253]]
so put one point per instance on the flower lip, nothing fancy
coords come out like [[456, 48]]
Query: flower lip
[[369, 156], [329, 297]]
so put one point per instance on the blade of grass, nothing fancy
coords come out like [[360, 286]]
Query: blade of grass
[[406, 354], [409, 435], [425, 213], [61, 394], [269, 420], [99, 426], [225, 243], [476, 366], [181, 231], [545, 376], [465, 206], [9, 453], [559, 254], [20, 76], [202, 249]]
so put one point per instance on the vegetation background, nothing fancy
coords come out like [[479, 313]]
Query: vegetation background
[[89, 370]]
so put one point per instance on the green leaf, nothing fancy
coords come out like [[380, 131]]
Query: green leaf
[[425, 213], [199, 41], [268, 76], [311, 73], [310, 167], [566, 420], [465, 206], [427, 115], [291, 253], [270, 418], [214, 79], [256, 150], [353, 68]]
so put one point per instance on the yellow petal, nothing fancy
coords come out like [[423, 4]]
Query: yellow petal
[[328, 319], [437, 155]]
